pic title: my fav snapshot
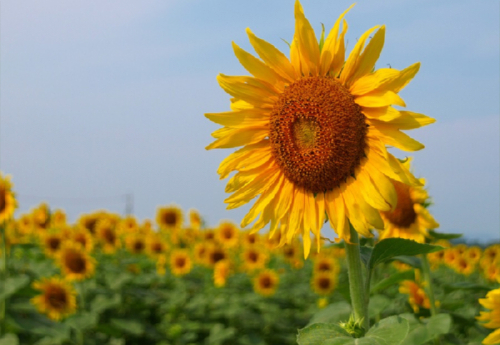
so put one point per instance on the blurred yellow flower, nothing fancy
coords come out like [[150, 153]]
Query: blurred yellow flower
[[323, 283], [75, 262], [266, 283], [180, 262], [491, 318], [57, 300], [8, 203]]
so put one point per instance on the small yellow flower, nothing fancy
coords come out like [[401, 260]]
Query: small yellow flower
[[254, 258], [195, 220], [227, 234], [57, 300], [8, 203], [266, 283], [323, 283], [75, 262], [135, 243], [169, 217], [51, 243], [491, 318], [180, 262], [105, 232], [222, 270]]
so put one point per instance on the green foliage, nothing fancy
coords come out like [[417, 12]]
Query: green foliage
[[391, 247]]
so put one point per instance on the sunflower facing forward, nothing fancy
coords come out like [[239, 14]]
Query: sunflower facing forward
[[58, 298], [313, 131]]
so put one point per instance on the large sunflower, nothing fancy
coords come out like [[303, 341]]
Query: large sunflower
[[314, 131], [410, 218], [58, 298], [8, 201]]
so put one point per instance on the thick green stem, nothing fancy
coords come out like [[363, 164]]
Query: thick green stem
[[426, 271], [356, 283]]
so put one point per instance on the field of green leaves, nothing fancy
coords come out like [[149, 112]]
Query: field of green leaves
[[108, 279]]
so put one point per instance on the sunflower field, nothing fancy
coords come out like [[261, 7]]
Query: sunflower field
[[313, 134], [109, 279]]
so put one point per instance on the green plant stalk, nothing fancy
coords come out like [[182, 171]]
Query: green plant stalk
[[3, 275], [426, 271], [356, 283]]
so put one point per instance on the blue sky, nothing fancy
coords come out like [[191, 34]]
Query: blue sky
[[100, 99]]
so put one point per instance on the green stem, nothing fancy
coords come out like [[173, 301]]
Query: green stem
[[426, 271], [356, 285]]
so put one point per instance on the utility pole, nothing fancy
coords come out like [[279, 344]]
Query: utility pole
[[129, 203]]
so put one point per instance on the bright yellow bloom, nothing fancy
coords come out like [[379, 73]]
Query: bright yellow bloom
[[75, 262], [314, 130], [135, 243], [195, 220], [473, 254], [222, 269], [323, 283], [81, 236], [254, 258], [410, 219], [155, 245], [293, 254], [491, 318], [464, 266], [266, 283], [227, 234], [417, 296], [8, 203], [90, 221], [200, 253], [58, 218], [180, 262], [57, 300], [326, 264], [169, 217], [105, 231], [41, 218], [51, 243], [215, 254], [250, 239], [128, 225]]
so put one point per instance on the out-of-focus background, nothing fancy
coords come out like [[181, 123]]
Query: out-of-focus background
[[102, 103]]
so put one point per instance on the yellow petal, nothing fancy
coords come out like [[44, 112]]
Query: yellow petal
[[241, 119], [371, 193], [353, 60], [403, 79], [248, 89], [264, 200], [381, 113], [272, 57], [296, 214], [252, 188], [372, 81], [232, 161], [306, 238], [284, 200], [393, 137], [332, 44], [379, 99], [411, 120], [307, 42], [239, 137], [370, 55], [257, 68]]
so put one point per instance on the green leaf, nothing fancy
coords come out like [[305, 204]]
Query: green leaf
[[220, 334], [366, 253], [377, 304], [115, 282], [12, 285], [392, 280], [320, 333], [391, 247], [442, 236], [409, 260], [434, 327], [9, 339], [82, 321], [101, 303], [389, 331], [332, 313], [130, 326], [466, 286]]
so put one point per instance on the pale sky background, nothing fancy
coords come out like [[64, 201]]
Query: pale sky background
[[104, 98]]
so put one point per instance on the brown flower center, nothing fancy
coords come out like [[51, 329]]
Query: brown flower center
[[138, 246], [170, 218], [180, 261], [56, 297], [324, 283], [157, 247], [253, 256], [324, 266], [109, 236], [54, 243], [266, 282], [404, 215], [317, 133], [75, 262]]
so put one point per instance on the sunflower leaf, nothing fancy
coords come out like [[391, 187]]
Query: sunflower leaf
[[321, 333], [442, 236], [393, 279], [391, 247]]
